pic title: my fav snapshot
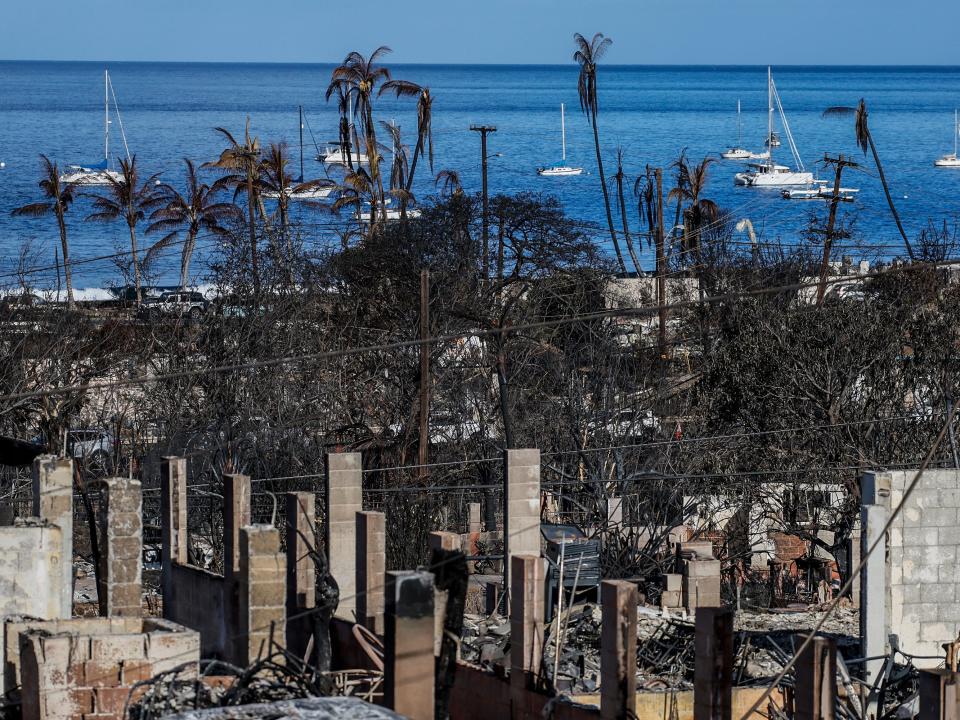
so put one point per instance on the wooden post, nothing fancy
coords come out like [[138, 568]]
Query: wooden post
[[815, 691], [713, 673], [618, 650], [938, 695], [424, 445]]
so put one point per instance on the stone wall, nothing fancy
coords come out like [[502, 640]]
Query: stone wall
[[922, 604], [86, 668]]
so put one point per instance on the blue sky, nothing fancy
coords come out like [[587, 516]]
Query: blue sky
[[493, 31]]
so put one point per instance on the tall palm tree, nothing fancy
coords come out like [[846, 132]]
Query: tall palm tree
[[865, 141], [679, 192], [197, 209], [241, 163], [623, 212], [130, 200], [58, 198], [274, 182], [448, 183], [358, 77], [405, 88], [587, 54], [346, 130]]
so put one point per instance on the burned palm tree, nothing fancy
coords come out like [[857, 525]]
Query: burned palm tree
[[623, 211], [405, 88], [240, 161], [130, 200], [357, 189], [274, 182], [187, 214], [58, 197], [448, 183], [865, 140], [357, 78], [587, 54]]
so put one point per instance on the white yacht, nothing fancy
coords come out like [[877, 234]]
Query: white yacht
[[304, 190], [770, 174], [738, 152], [562, 168], [951, 160], [334, 154], [99, 173]]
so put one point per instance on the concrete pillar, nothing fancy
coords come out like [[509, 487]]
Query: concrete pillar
[[121, 552], [408, 662], [301, 512], [873, 593], [173, 524], [618, 650], [815, 689], [853, 561], [53, 502], [261, 584], [473, 524], [371, 564], [439, 540], [236, 515], [939, 698], [344, 501], [521, 506], [713, 672], [526, 618]]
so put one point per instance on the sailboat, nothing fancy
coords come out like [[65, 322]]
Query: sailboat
[[562, 168], [951, 161], [769, 173], [313, 190], [336, 154], [100, 173], [738, 153]]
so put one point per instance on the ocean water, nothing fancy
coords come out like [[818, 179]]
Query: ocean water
[[169, 112]]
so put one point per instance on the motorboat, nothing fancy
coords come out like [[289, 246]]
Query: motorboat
[[561, 169], [820, 193], [100, 173], [951, 160], [304, 190]]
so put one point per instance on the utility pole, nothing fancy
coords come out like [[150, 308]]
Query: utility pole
[[839, 162], [483, 130], [661, 270], [422, 456]]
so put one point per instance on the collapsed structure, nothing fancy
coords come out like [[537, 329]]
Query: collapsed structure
[[392, 627]]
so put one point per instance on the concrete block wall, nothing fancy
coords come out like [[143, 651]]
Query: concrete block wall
[[122, 554], [31, 559], [85, 669], [923, 592], [53, 502], [344, 501], [262, 593]]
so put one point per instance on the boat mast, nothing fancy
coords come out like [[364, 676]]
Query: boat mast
[[769, 117], [956, 131], [739, 126], [106, 116], [563, 134], [301, 143]]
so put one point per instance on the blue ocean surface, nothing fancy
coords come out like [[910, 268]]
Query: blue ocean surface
[[169, 111]]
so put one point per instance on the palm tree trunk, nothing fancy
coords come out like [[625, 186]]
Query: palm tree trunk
[[606, 195], [626, 229], [252, 219], [886, 190], [136, 261], [66, 258], [186, 256]]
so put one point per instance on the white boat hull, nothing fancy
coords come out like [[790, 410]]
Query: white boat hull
[[81, 176], [775, 180], [391, 215], [559, 171], [736, 154], [338, 157], [948, 161], [321, 193]]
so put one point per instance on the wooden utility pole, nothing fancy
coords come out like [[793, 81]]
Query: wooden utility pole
[[483, 130], [661, 270], [424, 448], [839, 162]]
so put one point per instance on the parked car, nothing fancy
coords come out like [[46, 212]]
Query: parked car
[[174, 304], [93, 447]]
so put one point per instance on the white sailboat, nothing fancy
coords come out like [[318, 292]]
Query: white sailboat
[[951, 161], [314, 190], [738, 152], [336, 154], [769, 174], [99, 173], [562, 168]]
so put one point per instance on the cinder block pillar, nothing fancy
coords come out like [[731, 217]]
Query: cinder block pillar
[[236, 515], [618, 650], [301, 510], [873, 592], [122, 550], [173, 524], [371, 561], [521, 511], [53, 502], [526, 618], [938, 695], [408, 670], [439, 540], [816, 679], [261, 587], [713, 672], [473, 524], [344, 501]]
